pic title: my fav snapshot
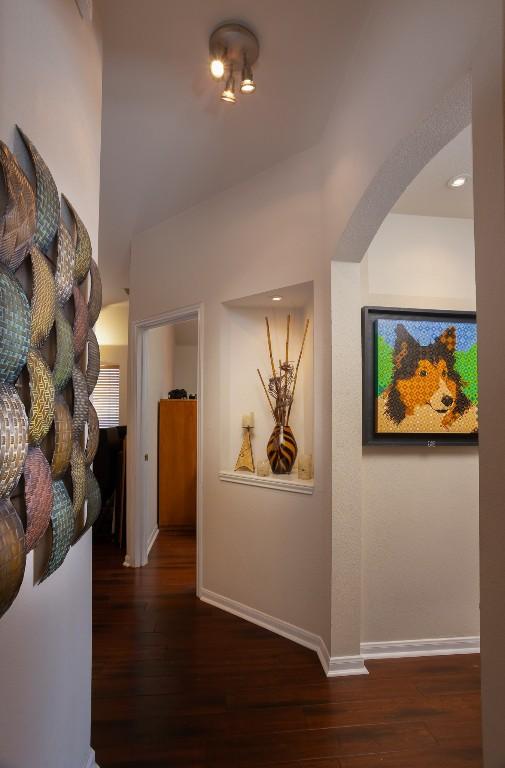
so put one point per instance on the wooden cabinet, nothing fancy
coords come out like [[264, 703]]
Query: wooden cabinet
[[177, 464]]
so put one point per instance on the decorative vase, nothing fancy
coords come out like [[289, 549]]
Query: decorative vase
[[282, 450]]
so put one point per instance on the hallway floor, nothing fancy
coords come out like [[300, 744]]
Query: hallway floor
[[179, 683]]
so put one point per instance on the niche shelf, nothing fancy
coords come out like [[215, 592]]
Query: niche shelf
[[289, 483], [244, 349]]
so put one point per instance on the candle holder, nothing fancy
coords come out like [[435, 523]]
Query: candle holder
[[245, 458]]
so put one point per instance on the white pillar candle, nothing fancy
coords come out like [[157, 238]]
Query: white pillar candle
[[248, 420], [305, 468]]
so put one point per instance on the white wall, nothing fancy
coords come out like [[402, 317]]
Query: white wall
[[112, 325], [420, 506], [186, 368], [422, 101], [267, 549], [50, 83], [159, 380]]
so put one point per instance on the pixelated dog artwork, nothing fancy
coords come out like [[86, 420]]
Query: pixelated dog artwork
[[426, 377]]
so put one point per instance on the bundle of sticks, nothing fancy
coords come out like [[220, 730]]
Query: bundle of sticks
[[282, 383]]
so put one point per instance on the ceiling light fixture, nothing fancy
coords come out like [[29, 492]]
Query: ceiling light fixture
[[233, 48], [456, 182], [276, 298]]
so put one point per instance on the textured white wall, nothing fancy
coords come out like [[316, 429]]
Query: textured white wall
[[267, 549], [158, 366], [389, 119], [50, 83], [186, 368], [420, 507], [112, 325]]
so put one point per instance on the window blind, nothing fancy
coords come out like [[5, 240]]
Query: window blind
[[105, 396]]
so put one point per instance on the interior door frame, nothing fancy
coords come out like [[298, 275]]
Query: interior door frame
[[137, 547]]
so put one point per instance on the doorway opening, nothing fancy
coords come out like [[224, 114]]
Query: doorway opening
[[164, 482]]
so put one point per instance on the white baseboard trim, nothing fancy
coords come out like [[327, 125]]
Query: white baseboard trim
[[333, 667], [90, 762], [152, 539], [439, 646]]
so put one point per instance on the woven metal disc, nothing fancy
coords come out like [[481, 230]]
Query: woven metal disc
[[93, 435], [38, 496], [93, 366], [95, 294], [44, 298], [42, 397], [78, 473], [12, 554], [65, 260], [94, 497], [48, 201], [81, 402], [80, 322], [62, 438], [62, 372], [13, 439], [62, 527], [82, 247], [17, 222], [14, 327]]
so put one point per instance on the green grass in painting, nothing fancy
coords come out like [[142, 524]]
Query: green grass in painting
[[466, 366], [384, 365]]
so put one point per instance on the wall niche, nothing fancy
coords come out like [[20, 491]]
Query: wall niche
[[244, 350]]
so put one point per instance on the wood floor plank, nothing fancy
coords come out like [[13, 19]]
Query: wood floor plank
[[177, 683]]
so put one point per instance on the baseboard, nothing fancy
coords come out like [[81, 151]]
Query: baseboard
[[152, 539], [333, 667], [440, 646], [90, 763]]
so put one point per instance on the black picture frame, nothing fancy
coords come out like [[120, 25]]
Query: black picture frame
[[369, 315]]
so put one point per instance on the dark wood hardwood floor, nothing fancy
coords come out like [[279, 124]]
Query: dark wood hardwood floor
[[179, 683]]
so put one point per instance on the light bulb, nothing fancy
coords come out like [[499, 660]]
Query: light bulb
[[217, 68], [229, 90], [247, 84]]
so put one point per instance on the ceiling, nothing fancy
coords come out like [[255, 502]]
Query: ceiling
[[429, 195], [292, 297], [168, 142]]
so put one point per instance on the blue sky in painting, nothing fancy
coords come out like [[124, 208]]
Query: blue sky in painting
[[426, 331]]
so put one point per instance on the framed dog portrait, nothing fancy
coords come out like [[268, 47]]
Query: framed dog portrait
[[420, 377]]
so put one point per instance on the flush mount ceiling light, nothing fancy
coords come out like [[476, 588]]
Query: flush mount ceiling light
[[233, 48], [276, 298], [456, 182]]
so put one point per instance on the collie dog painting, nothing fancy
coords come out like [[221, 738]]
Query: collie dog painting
[[425, 377]]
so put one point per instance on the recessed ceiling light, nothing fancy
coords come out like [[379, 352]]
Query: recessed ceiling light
[[276, 298], [456, 182]]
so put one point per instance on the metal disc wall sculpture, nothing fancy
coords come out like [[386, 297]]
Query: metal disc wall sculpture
[[17, 223], [49, 365]]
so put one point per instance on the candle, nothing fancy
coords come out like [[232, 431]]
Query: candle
[[264, 468], [248, 420], [305, 468]]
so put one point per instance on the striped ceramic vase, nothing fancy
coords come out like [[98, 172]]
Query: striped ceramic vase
[[282, 450]]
